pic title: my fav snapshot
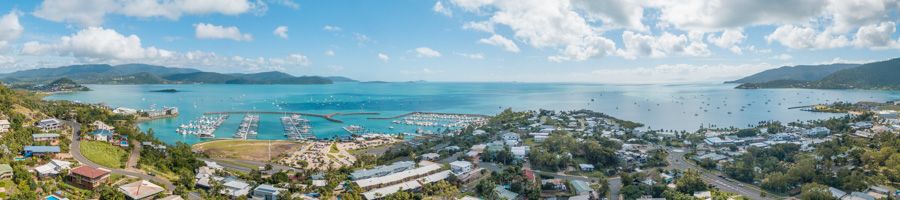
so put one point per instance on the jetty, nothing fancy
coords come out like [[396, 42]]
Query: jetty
[[428, 113], [249, 127], [297, 128]]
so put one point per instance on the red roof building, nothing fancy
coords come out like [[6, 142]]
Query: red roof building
[[88, 177]]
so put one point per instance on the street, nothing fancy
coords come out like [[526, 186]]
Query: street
[[676, 161]]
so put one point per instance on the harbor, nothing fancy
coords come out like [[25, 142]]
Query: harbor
[[249, 127], [203, 127], [297, 128]]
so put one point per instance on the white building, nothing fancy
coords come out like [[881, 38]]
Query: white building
[[817, 132], [461, 167], [431, 156], [52, 168], [50, 124], [520, 152], [125, 111], [235, 187], [4, 126]]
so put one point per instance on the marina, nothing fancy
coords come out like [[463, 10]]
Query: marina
[[249, 127], [203, 127], [441, 120], [297, 128]]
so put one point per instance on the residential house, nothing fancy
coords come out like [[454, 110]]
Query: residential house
[[88, 177], [858, 196], [266, 192], [172, 197], [511, 139], [383, 170], [836, 193], [461, 167], [100, 125], [581, 187], [586, 167], [817, 132], [52, 168], [41, 137], [29, 151], [505, 194], [235, 187], [101, 135], [431, 156], [4, 126], [520, 152], [6, 171], [140, 190], [49, 124]]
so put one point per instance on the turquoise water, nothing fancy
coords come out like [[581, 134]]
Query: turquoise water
[[681, 107]]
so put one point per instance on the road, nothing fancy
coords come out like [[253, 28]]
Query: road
[[131, 164], [75, 150], [677, 161]]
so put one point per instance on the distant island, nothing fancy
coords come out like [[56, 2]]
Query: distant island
[[882, 75], [166, 91], [152, 74], [59, 85]]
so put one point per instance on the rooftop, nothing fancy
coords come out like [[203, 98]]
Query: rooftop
[[141, 189], [90, 172], [42, 149]]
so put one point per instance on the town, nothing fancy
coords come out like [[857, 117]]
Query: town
[[66, 150]]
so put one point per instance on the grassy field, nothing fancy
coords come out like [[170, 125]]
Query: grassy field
[[104, 153], [253, 150]]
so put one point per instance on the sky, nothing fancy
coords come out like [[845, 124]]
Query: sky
[[593, 41]]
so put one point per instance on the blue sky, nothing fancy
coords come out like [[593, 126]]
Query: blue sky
[[604, 41]]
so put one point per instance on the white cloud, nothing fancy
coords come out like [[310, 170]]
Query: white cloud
[[484, 26], [546, 24], [329, 53], [210, 31], [714, 15], [473, 56], [806, 38], [281, 31], [97, 43], [10, 29], [848, 15], [362, 39], [93, 12], [383, 57], [876, 36], [288, 3], [331, 28], [624, 13], [500, 41], [439, 8], [679, 73], [667, 44], [427, 52], [729, 39], [783, 56]]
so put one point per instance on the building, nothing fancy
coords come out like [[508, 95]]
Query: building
[[235, 187], [29, 151], [101, 135], [431, 156], [52, 168], [125, 111], [505, 194], [172, 197], [461, 167], [511, 139], [88, 177], [4, 126], [382, 170], [836, 193], [100, 125], [716, 141], [267, 192], [858, 196], [586, 167], [51, 124], [581, 187], [817, 132], [41, 137], [520, 152], [412, 179], [140, 190], [6, 171]]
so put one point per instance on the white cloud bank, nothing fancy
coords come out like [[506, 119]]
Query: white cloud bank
[[93, 12], [10, 29], [426, 52], [210, 31], [678, 73]]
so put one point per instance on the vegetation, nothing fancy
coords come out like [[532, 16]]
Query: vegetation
[[797, 73], [876, 75], [104, 153]]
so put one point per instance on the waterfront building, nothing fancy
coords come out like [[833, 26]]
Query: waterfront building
[[140, 190], [88, 177]]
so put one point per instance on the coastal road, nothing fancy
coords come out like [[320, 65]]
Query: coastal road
[[677, 161], [75, 150]]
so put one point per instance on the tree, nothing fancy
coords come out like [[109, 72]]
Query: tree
[[442, 190], [815, 191], [485, 189], [690, 182]]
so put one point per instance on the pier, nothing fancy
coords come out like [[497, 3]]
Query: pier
[[329, 117], [436, 113]]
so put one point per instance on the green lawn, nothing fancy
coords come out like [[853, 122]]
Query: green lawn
[[104, 153]]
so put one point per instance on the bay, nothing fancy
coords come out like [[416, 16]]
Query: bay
[[679, 107]]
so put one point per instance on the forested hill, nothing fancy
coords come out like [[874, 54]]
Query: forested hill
[[152, 74], [882, 75]]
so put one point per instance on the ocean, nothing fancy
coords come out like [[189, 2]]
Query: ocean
[[678, 107]]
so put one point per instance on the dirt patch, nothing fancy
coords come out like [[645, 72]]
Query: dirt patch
[[252, 150]]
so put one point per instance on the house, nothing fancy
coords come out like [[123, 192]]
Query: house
[[140, 190], [88, 177], [817, 132], [101, 135], [478, 132], [29, 151], [836, 193], [6, 171], [431, 156], [511, 139], [586, 167], [383, 170], [554, 184], [520, 152], [172, 197], [52, 168], [703, 195], [100, 125], [581, 187], [267, 192], [783, 137], [461, 167], [4, 126], [711, 156], [858, 196], [881, 191], [235, 187], [50, 124], [505, 194], [716, 141], [40, 137]]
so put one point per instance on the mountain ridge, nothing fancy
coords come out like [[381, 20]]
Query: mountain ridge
[[154, 74], [796, 73], [881, 75]]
